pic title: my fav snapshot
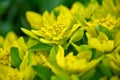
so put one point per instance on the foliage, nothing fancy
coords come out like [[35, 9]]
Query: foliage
[[77, 43]]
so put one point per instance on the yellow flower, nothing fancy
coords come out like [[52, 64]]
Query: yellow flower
[[37, 57], [6, 44], [112, 6], [26, 66], [10, 41], [86, 11], [22, 47], [54, 29], [100, 42], [109, 22], [4, 57], [114, 62], [75, 64], [9, 73]]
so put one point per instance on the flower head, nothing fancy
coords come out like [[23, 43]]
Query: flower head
[[9, 73], [6, 44], [109, 22], [114, 62], [55, 29], [4, 57], [101, 42], [75, 64]]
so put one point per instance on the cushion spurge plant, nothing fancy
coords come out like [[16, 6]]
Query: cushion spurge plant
[[52, 29], [81, 43]]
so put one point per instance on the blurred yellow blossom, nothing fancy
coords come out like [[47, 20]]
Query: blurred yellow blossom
[[4, 57], [9, 73], [6, 44], [101, 42], [81, 43], [109, 22], [10, 40], [55, 30], [115, 62], [74, 64]]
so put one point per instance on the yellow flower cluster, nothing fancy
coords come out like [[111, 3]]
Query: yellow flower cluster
[[52, 29], [81, 43]]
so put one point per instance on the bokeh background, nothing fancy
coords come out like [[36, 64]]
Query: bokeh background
[[12, 12]]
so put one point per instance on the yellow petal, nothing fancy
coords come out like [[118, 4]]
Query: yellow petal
[[29, 33], [76, 6], [22, 47], [10, 40], [34, 19], [115, 77], [60, 57], [108, 46], [47, 41], [78, 65], [96, 44], [115, 66], [48, 20], [73, 64], [85, 54], [42, 33]]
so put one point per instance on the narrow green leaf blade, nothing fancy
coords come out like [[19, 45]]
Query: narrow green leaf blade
[[117, 39], [29, 33], [100, 28], [52, 55], [88, 75], [78, 35], [81, 47], [80, 19], [14, 54], [95, 54], [43, 72], [106, 70], [40, 46]]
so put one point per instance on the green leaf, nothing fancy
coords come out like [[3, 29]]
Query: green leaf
[[61, 77], [52, 55], [95, 54], [36, 77], [81, 47], [100, 28], [88, 75], [43, 72], [98, 74], [117, 39], [14, 54], [78, 35], [40, 46], [80, 19], [29, 58], [106, 70]]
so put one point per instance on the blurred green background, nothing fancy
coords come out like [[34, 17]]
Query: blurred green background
[[12, 12]]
